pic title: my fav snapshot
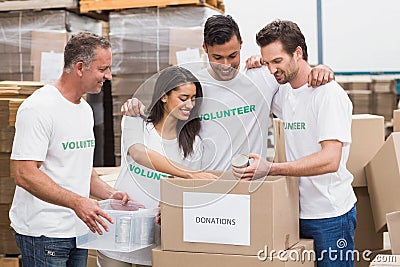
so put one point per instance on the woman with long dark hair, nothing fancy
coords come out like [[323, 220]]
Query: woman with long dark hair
[[165, 142]]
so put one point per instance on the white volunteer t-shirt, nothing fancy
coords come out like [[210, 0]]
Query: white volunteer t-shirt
[[142, 183], [235, 115], [310, 116], [51, 129]]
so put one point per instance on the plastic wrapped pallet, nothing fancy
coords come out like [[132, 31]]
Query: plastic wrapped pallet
[[145, 41], [24, 31], [141, 37]]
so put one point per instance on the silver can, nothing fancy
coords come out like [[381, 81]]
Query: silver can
[[123, 232], [240, 161], [144, 230]]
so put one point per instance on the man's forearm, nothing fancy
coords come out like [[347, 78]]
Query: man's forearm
[[325, 161], [36, 182]]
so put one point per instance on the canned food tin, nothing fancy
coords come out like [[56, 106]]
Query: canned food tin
[[240, 161], [123, 231]]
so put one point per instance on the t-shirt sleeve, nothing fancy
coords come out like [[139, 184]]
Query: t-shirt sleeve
[[277, 103], [32, 135], [334, 115], [132, 131]]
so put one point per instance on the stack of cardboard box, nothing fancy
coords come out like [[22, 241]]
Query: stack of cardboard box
[[31, 41], [383, 177], [373, 94], [231, 223], [12, 94]]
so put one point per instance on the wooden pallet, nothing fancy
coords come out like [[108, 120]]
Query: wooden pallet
[[37, 4], [13, 88], [97, 5], [9, 261]]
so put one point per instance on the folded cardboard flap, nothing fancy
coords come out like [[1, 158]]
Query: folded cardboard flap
[[383, 177], [364, 146], [396, 120], [393, 224], [365, 236]]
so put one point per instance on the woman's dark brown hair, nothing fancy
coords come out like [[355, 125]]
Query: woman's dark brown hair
[[169, 79]]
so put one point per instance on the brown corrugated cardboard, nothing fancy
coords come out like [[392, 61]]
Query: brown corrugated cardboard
[[274, 213], [383, 177], [9, 262], [91, 261], [280, 150], [181, 39], [368, 135], [396, 120], [365, 236], [292, 257], [45, 41], [393, 224]]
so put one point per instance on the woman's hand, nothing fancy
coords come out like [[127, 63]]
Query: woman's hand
[[202, 175]]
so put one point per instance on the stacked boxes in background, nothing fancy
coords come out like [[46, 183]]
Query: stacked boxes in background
[[371, 94], [26, 34], [145, 41], [359, 90], [12, 94]]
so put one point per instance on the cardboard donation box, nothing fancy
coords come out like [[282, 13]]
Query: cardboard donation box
[[302, 254], [393, 223], [229, 216], [133, 229], [383, 176], [367, 137], [365, 236]]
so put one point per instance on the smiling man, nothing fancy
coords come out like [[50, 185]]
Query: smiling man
[[52, 156], [317, 139]]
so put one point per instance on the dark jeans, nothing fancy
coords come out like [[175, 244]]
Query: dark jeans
[[333, 238], [50, 252]]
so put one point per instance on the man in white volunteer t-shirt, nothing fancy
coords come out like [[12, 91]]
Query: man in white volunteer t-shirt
[[52, 156], [317, 129]]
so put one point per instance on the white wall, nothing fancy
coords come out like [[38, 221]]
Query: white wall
[[358, 35]]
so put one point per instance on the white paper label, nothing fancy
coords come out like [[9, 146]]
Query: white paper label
[[51, 66], [216, 218]]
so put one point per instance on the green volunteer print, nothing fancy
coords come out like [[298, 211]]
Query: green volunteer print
[[150, 174], [227, 113], [74, 145], [296, 125]]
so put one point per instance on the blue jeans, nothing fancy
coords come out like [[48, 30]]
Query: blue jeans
[[50, 252], [333, 238]]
